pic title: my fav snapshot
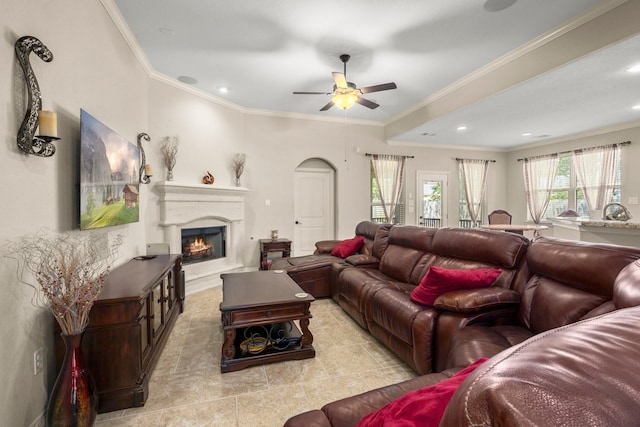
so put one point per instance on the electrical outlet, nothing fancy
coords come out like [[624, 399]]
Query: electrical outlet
[[38, 360]]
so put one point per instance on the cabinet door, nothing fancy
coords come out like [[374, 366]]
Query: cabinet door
[[157, 303], [145, 330], [169, 291]]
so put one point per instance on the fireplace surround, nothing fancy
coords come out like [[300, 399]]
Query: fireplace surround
[[195, 206]]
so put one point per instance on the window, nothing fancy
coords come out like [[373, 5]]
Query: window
[[567, 193], [377, 212]]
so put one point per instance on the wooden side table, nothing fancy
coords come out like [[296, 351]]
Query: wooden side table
[[270, 245]]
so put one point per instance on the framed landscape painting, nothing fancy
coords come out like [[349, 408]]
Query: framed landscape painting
[[109, 170]]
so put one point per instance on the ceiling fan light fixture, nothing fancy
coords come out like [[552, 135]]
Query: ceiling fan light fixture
[[344, 99]]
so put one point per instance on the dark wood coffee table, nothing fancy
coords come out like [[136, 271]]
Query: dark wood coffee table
[[258, 312]]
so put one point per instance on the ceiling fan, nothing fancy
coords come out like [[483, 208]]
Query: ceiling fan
[[345, 93]]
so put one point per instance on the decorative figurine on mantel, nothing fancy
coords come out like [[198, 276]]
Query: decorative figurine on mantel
[[208, 178], [169, 151], [238, 166]]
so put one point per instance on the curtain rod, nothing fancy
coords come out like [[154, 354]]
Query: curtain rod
[[571, 151], [369, 155], [492, 161]]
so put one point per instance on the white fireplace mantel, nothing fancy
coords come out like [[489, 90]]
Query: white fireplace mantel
[[185, 205], [181, 203]]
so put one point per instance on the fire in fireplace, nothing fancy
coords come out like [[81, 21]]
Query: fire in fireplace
[[203, 244]]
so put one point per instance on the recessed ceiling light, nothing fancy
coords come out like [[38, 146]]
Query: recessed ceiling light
[[167, 31], [461, 128], [636, 107], [188, 80], [527, 134], [497, 5], [634, 69], [223, 89]]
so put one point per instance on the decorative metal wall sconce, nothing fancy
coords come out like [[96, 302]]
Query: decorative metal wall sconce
[[28, 142], [145, 169]]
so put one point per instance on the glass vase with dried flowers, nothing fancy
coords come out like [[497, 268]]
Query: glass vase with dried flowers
[[169, 151], [238, 166], [70, 271]]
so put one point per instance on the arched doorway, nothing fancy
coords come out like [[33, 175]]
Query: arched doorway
[[314, 205]]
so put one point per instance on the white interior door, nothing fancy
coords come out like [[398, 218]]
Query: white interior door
[[313, 209], [431, 194]]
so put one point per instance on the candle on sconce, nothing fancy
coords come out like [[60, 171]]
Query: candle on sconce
[[48, 123], [147, 170]]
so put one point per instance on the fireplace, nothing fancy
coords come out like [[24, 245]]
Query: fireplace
[[200, 206], [203, 244]]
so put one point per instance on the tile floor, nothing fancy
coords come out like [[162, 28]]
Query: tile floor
[[187, 388]]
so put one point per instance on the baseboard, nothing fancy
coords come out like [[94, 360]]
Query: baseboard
[[39, 421]]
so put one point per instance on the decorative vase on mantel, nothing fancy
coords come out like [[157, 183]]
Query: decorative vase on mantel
[[74, 399]]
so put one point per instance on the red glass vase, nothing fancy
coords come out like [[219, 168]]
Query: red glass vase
[[73, 400]]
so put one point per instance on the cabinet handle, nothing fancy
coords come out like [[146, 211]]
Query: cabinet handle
[[153, 316], [161, 300]]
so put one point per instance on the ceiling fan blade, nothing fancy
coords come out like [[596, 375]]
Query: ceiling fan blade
[[378, 88], [367, 103], [326, 107], [312, 93], [340, 79]]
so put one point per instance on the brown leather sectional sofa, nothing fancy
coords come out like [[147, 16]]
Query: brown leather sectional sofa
[[545, 284]]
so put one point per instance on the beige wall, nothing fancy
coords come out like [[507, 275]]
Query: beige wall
[[93, 69]]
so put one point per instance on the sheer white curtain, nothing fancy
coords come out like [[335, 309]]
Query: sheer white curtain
[[473, 174], [389, 174], [596, 170], [539, 176]]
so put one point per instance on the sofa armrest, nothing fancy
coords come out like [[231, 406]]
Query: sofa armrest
[[475, 300], [325, 246], [362, 260]]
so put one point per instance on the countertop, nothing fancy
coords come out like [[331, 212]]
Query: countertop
[[586, 222]]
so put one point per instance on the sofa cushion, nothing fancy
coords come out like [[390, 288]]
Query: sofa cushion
[[494, 247], [578, 375], [475, 341], [625, 289], [326, 246], [348, 247], [571, 281], [439, 280], [476, 300], [406, 246], [423, 407]]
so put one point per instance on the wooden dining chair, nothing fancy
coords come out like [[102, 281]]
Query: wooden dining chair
[[499, 216]]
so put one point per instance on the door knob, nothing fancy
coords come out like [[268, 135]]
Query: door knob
[[298, 222]]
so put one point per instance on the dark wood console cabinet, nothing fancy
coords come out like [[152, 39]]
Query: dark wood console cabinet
[[128, 327]]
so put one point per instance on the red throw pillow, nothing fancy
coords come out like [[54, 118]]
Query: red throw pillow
[[440, 280], [423, 407], [348, 247]]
